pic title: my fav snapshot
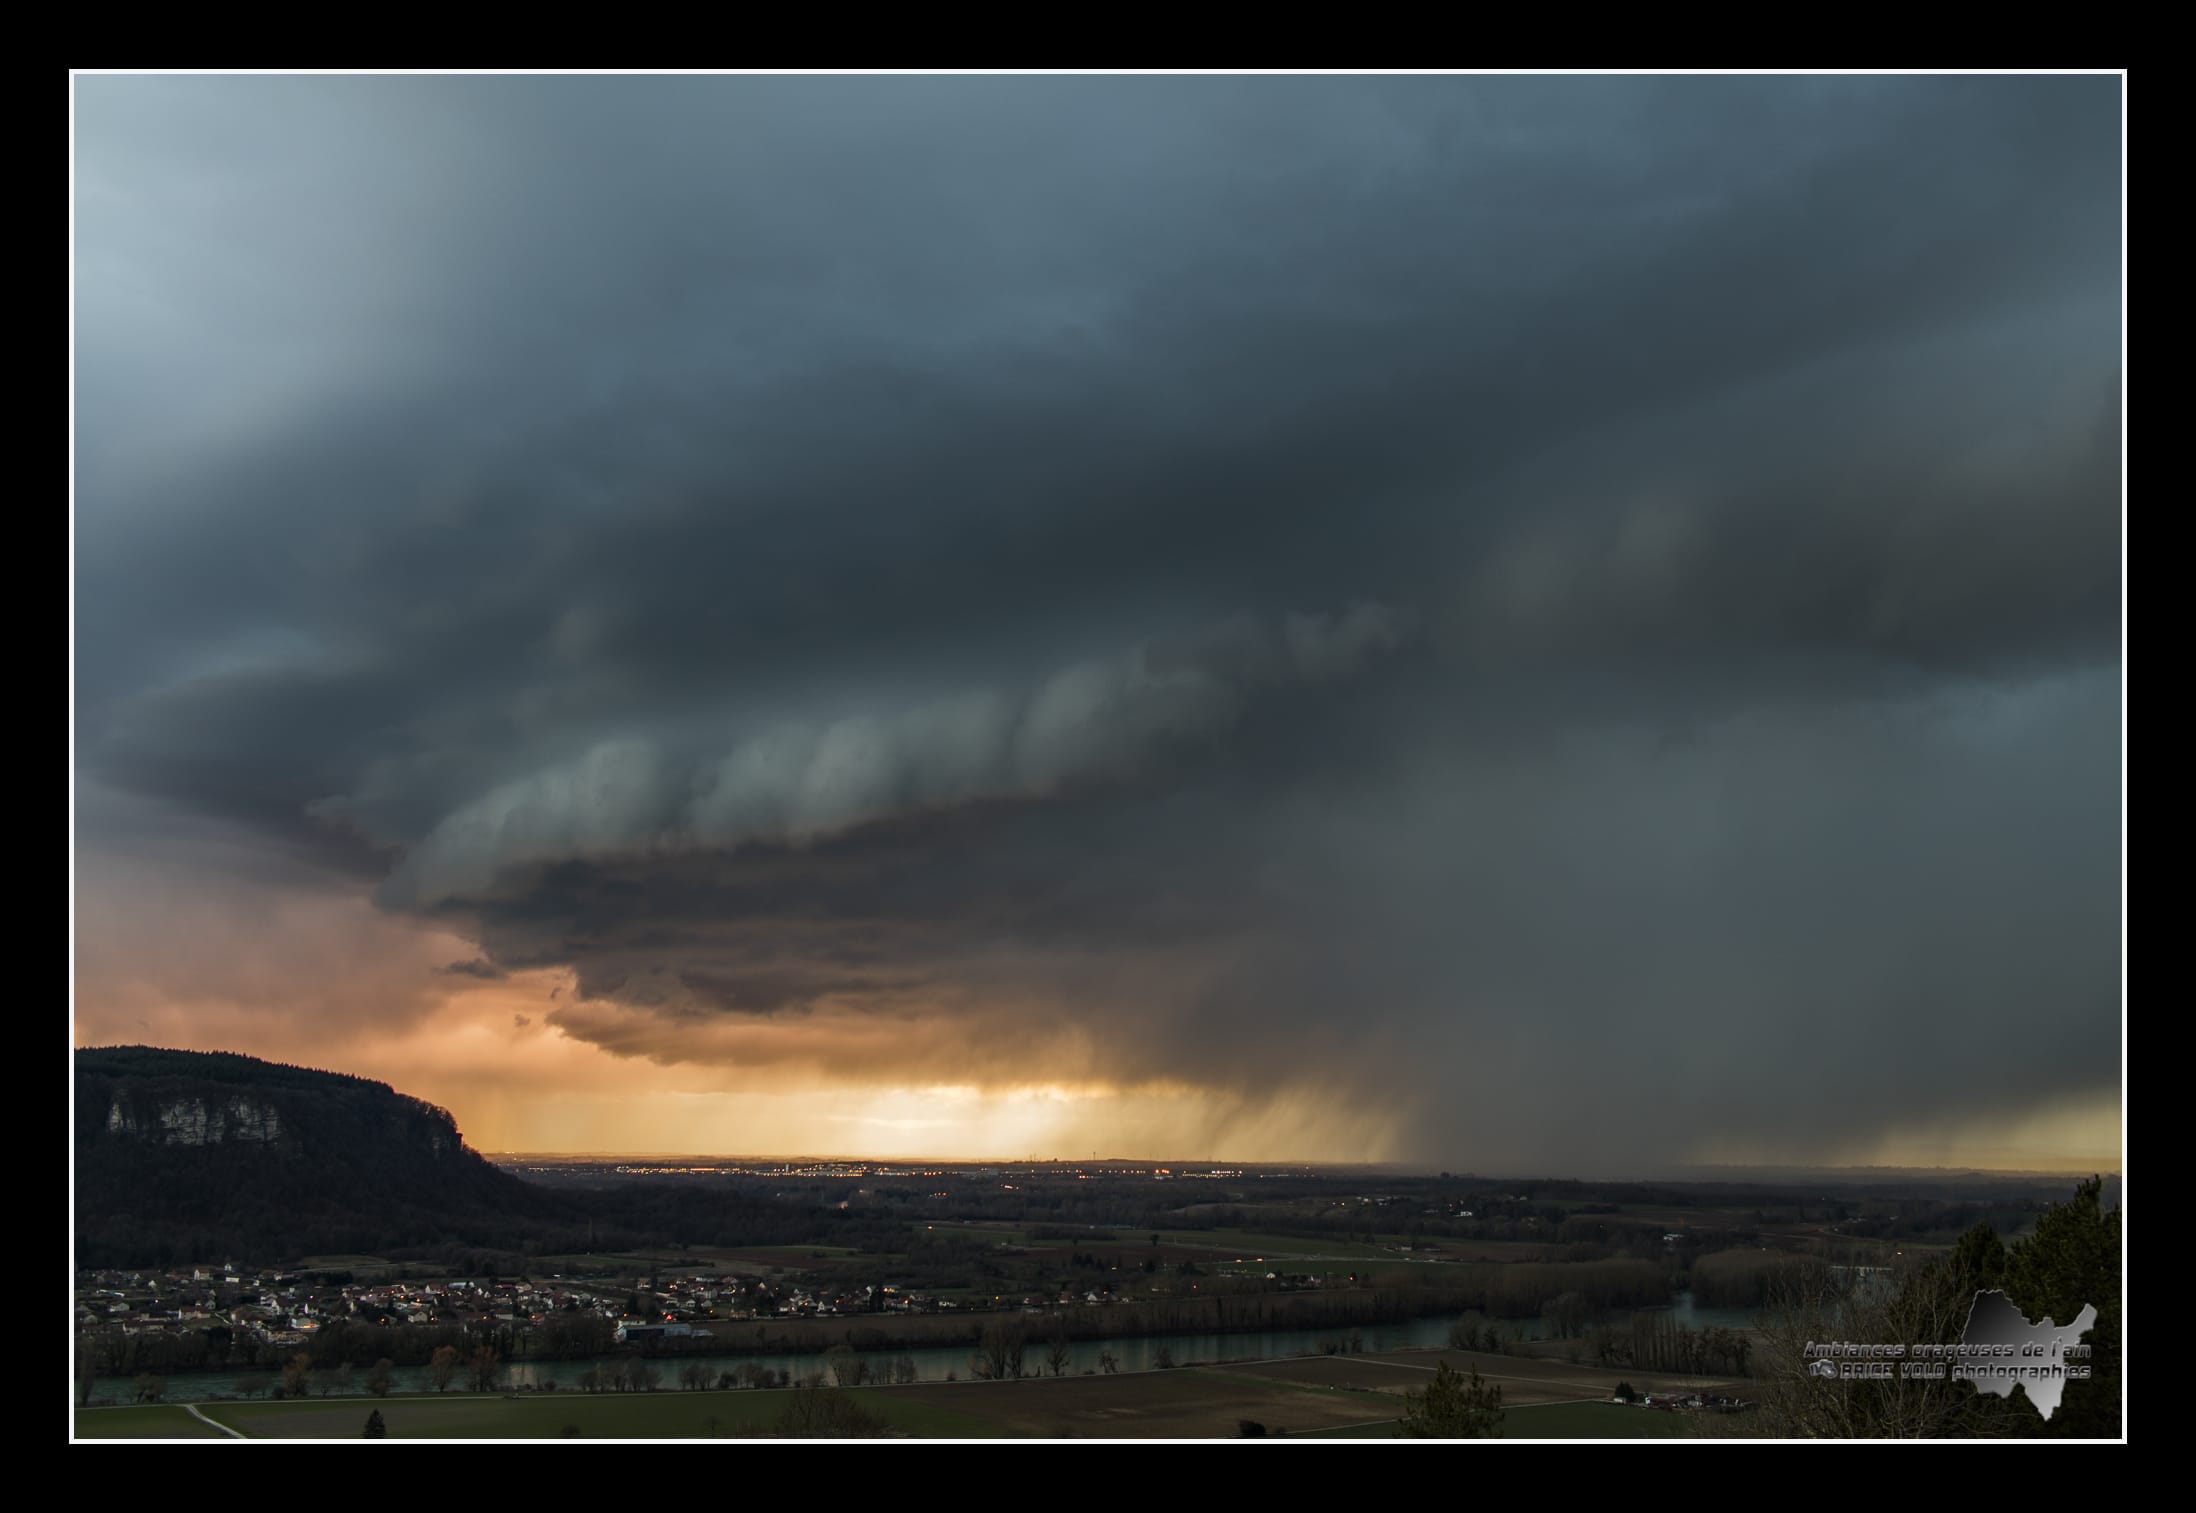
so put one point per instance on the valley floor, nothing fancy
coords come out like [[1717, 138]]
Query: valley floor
[[1343, 1396]]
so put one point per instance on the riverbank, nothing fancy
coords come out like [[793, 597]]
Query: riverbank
[[946, 1358], [1108, 1354]]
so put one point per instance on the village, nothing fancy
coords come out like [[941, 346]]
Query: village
[[274, 1307]]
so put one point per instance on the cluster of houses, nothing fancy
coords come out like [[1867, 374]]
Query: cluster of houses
[[464, 1302], [683, 1305], [1068, 1297], [260, 1304], [280, 1309], [1686, 1402]]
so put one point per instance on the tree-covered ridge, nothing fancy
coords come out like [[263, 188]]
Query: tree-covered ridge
[[149, 1075], [212, 1066], [357, 1167], [347, 1163], [2071, 1260]]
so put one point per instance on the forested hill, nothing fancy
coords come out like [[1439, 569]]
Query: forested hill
[[192, 1155]]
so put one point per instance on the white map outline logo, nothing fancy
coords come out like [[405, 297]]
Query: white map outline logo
[[2000, 1350]]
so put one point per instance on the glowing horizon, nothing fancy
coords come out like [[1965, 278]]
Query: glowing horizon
[[494, 1090]]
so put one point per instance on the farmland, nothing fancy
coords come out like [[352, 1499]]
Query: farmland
[[1174, 1404], [1288, 1397], [153, 1421], [901, 1284]]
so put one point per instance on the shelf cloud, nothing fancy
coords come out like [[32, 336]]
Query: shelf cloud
[[1516, 619]]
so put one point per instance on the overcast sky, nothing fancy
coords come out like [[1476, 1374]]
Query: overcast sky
[[1496, 622]]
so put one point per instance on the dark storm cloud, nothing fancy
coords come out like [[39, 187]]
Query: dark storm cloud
[[1569, 601]]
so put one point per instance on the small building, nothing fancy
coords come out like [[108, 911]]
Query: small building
[[635, 1333]]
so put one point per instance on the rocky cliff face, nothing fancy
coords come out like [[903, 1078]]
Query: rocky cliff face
[[193, 1100], [197, 1121]]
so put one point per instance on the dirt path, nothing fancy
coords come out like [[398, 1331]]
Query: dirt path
[[192, 1410]]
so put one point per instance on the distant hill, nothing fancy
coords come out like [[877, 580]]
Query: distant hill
[[194, 1155]]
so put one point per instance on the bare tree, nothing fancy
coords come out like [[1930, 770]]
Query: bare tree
[[1921, 1304], [485, 1368], [999, 1353], [442, 1367], [1057, 1355], [114, 1350], [827, 1413]]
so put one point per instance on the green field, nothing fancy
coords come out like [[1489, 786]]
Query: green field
[[992, 1234], [653, 1415], [1383, 1430], [158, 1421], [1596, 1421], [1188, 1403], [1352, 1397], [1250, 1245], [631, 1263], [1560, 1421], [1221, 1244]]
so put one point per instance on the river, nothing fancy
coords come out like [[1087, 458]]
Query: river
[[937, 1363]]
